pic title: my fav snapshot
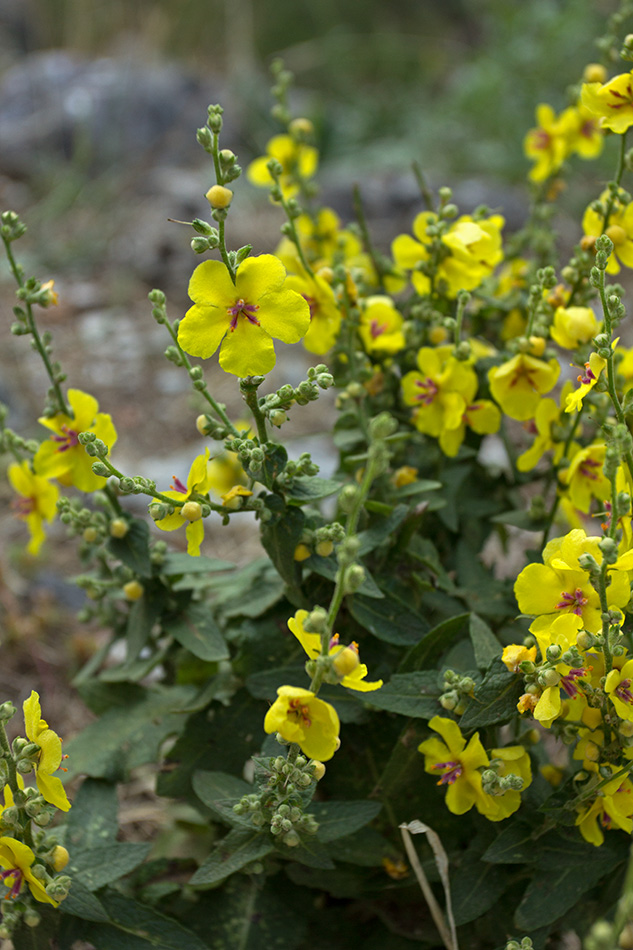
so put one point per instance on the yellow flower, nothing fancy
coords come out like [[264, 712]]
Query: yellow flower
[[512, 760], [546, 419], [198, 484], [612, 808], [325, 316], [584, 134], [297, 160], [311, 643], [619, 230], [611, 103], [518, 384], [515, 654], [243, 317], [231, 498], [17, 859], [587, 381], [381, 326], [298, 716], [547, 144], [474, 246], [618, 686], [37, 502], [457, 765], [573, 326], [560, 585], [585, 477], [50, 757], [62, 456]]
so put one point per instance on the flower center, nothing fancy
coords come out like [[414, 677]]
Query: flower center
[[15, 885], [623, 100], [430, 390], [246, 309], [588, 469], [376, 329], [67, 441], [23, 507], [623, 691], [568, 682], [589, 376], [541, 139], [452, 772], [574, 602], [300, 713], [177, 485]]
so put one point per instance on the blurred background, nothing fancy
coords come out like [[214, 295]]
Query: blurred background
[[99, 103]]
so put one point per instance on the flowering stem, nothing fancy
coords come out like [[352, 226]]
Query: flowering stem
[[32, 326], [618, 178], [219, 411], [566, 447], [5, 753], [379, 264]]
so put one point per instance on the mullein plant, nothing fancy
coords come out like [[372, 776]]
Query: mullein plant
[[373, 666]]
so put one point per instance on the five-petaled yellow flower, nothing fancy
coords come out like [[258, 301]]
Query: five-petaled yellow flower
[[311, 643], [298, 161], [198, 484], [611, 102], [37, 502], [298, 716], [17, 859], [242, 317], [63, 457], [50, 757]]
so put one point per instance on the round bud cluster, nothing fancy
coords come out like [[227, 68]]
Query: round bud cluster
[[457, 690], [91, 526]]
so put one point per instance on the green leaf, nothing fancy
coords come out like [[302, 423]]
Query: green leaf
[[419, 487], [280, 537], [475, 889], [100, 866], [495, 700], [338, 819], [306, 488], [566, 870], [514, 845], [133, 549], [136, 670], [214, 787], [246, 916], [328, 567], [410, 694], [382, 530], [196, 630], [365, 848], [180, 563], [129, 735], [389, 620], [142, 616], [136, 926], [42, 937], [520, 519], [433, 644], [252, 591], [231, 854], [310, 852], [486, 646], [83, 903], [92, 821]]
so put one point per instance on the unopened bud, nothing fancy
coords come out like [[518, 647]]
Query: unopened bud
[[191, 511], [219, 197], [133, 590]]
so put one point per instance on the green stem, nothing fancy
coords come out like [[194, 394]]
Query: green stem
[[618, 178], [554, 473], [32, 326], [7, 755], [219, 411], [359, 212]]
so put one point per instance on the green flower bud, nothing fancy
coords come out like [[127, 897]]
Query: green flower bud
[[354, 578]]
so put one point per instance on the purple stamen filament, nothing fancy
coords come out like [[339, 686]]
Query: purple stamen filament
[[575, 601], [589, 376], [312, 304], [431, 390], [23, 507], [68, 441], [568, 682], [177, 485], [241, 307], [376, 329], [300, 712], [452, 773], [587, 469], [15, 873], [623, 691]]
